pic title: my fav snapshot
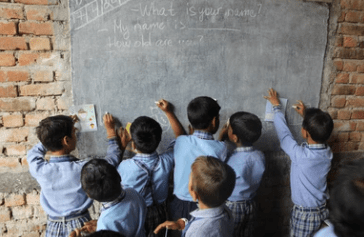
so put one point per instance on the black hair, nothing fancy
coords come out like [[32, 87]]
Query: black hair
[[100, 180], [318, 124], [246, 126], [146, 134], [52, 130], [347, 200], [212, 180], [201, 111], [105, 233]]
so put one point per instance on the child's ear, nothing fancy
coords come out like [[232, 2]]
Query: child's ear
[[65, 141], [304, 133], [235, 138], [194, 195]]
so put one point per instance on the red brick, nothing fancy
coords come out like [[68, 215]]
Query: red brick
[[43, 76], [360, 91], [352, 4], [33, 2], [360, 126], [14, 135], [22, 212], [347, 53], [14, 200], [30, 58], [17, 76], [356, 101], [343, 90], [342, 17], [361, 68], [338, 101], [11, 13], [339, 64], [361, 146], [32, 198], [17, 104], [343, 114], [42, 89], [358, 114], [342, 78], [350, 41], [12, 43], [351, 29], [9, 162], [340, 137], [355, 136], [14, 120], [2, 76], [46, 103], [36, 28], [7, 28], [40, 44], [354, 16], [62, 104], [333, 113], [37, 14], [5, 214], [350, 66], [16, 150], [8, 91], [339, 41], [357, 79], [345, 147], [33, 120], [7, 60], [346, 126]]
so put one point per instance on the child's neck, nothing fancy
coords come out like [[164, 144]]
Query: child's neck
[[60, 153], [202, 206], [207, 130], [310, 141]]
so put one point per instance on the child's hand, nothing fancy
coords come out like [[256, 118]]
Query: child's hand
[[75, 233], [109, 125], [125, 138], [300, 108], [164, 105], [272, 97], [224, 131], [172, 225]]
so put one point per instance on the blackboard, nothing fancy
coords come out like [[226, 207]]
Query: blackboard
[[128, 54]]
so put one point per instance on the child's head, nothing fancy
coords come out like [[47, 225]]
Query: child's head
[[146, 134], [246, 127], [56, 131], [100, 180], [202, 111], [318, 124], [347, 200], [211, 181]]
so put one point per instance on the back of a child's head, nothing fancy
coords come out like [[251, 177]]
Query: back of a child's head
[[318, 124], [246, 126], [347, 200], [201, 111], [100, 180], [212, 180], [146, 134], [105, 233], [52, 130]]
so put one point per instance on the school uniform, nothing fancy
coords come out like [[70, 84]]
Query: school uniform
[[309, 168], [249, 166], [62, 196], [186, 150], [125, 215], [210, 222], [148, 174], [326, 232]]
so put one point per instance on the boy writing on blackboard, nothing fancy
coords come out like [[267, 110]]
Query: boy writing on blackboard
[[62, 196], [148, 172], [243, 129], [310, 165]]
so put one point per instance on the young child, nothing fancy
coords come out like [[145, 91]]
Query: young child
[[347, 203], [123, 210], [203, 114], [148, 172], [211, 182], [248, 163], [310, 165], [62, 197]]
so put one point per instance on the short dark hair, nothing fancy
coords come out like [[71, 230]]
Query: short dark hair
[[246, 126], [212, 180], [146, 134], [318, 124], [52, 130], [100, 180], [201, 111], [105, 233], [347, 200]]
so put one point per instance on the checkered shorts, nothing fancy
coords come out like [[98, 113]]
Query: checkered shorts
[[62, 227], [306, 221], [156, 214], [244, 215]]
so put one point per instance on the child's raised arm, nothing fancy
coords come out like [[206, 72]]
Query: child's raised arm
[[273, 97], [109, 125], [173, 120], [300, 108]]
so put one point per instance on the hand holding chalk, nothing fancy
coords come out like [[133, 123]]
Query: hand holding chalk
[[299, 107], [163, 105], [109, 125]]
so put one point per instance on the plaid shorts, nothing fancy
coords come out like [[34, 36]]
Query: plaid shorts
[[306, 221], [244, 215], [156, 214], [63, 226]]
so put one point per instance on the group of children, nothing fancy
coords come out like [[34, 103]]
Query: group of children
[[214, 185]]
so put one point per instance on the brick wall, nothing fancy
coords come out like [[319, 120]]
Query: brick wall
[[35, 82]]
